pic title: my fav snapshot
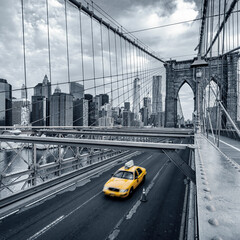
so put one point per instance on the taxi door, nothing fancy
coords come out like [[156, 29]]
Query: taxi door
[[136, 179], [140, 173]]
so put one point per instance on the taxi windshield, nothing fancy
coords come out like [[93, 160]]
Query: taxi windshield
[[124, 174]]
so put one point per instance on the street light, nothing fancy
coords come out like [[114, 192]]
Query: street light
[[198, 64]]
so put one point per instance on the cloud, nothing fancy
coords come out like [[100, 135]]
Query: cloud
[[132, 14]]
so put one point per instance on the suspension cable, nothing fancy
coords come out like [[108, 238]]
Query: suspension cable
[[24, 50], [81, 43], [68, 64]]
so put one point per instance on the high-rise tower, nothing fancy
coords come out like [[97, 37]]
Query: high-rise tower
[[157, 94], [136, 97]]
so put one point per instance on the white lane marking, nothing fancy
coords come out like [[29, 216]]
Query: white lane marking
[[145, 160], [137, 204], [39, 200], [9, 214], [228, 144], [83, 204], [36, 235], [133, 210], [63, 217], [45, 229]]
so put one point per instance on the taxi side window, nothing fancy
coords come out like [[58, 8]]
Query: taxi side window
[[136, 174], [139, 171]]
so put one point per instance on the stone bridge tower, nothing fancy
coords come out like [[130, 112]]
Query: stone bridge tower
[[180, 72]]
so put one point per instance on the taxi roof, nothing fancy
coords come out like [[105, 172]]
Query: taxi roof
[[131, 169]]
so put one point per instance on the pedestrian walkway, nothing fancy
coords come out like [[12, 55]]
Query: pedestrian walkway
[[218, 190], [230, 147]]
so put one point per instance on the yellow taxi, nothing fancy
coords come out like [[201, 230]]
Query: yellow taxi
[[125, 180]]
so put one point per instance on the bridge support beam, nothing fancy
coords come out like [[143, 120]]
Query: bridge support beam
[[181, 165]]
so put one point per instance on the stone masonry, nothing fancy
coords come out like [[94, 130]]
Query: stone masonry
[[180, 72]]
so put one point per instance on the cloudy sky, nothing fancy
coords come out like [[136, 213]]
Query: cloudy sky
[[176, 42]]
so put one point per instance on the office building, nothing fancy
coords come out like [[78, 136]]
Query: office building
[[89, 99], [76, 90], [80, 112], [40, 103], [126, 121], [5, 103], [20, 112], [147, 104], [61, 108], [157, 94], [127, 106], [136, 98]]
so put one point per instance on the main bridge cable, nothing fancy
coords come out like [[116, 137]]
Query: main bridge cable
[[24, 50], [107, 25], [112, 20], [205, 7], [226, 16], [66, 31]]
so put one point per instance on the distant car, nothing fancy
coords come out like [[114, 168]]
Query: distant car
[[125, 180]]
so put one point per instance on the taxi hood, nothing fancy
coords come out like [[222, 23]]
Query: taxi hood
[[118, 183]]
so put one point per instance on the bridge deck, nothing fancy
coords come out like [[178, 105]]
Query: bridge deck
[[230, 147], [218, 191]]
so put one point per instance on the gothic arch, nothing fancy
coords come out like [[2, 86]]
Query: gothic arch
[[179, 73]]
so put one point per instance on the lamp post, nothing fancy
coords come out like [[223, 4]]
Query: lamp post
[[198, 64]]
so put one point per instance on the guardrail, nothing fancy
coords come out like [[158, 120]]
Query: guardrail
[[36, 189]]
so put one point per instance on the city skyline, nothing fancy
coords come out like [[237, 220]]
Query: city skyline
[[37, 43], [49, 106]]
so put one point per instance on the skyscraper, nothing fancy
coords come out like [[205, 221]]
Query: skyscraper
[[91, 110], [157, 94], [5, 103], [147, 104], [61, 108], [126, 121], [136, 98], [40, 103], [127, 106], [77, 90], [104, 98], [80, 112], [20, 112]]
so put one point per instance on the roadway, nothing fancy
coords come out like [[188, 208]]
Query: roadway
[[83, 212]]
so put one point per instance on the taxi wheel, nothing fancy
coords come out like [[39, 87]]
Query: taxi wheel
[[130, 192], [144, 178]]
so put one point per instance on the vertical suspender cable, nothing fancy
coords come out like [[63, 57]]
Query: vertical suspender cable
[[24, 51], [101, 34], [233, 30], [223, 42], [121, 52], [210, 62], [237, 25], [66, 25], [131, 68], [81, 45], [110, 65], [49, 46], [94, 73], [116, 58], [206, 29], [126, 54]]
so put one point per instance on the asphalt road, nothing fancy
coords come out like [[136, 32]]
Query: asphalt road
[[84, 212]]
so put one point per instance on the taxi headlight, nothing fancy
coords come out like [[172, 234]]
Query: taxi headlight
[[123, 190], [105, 188]]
